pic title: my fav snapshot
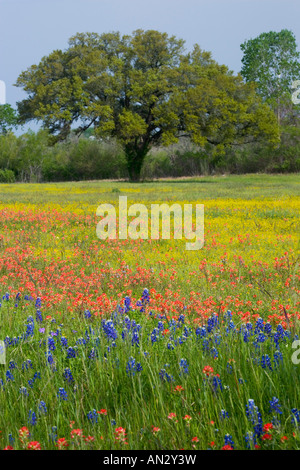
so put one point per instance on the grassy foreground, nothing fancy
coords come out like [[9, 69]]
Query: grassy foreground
[[141, 344]]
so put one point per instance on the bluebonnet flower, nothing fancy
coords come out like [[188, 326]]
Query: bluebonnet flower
[[42, 407], [62, 394], [64, 342], [67, 375], [266, 362], [295, 417], [11, 439], [24, 391], [205, 345], [216, 383], [274, 405], [127, 303], [228, 441], [260, 338], [9, 376], [224, 414], [212, 322], [38, 316], [268, 328], [92, 416], [132, 367], [259, 325], [217, 339], [93, 354], [71, 352], [53, 434], [154, 335], [254, 417], [201, 331], [87, 314], [30, 327], [181, 318], [135, 340], [214, 353], [277, 358], [184, 366], [32, 419], [228, 316], [250, 439], [51, 344], [50, 358], [165, 377], [145, 296], [12, 365], [109, 329], [230, 327], [37, 375]]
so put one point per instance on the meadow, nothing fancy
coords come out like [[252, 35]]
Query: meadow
[[141, 344]]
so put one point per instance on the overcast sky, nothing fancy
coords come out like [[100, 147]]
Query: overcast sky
[[31, 29]]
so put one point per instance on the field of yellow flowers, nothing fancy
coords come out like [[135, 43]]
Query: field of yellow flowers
[[141, 344]]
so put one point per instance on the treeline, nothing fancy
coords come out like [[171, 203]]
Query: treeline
[[30, 158]]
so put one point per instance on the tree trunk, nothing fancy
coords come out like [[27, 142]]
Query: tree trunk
[[135, 158]]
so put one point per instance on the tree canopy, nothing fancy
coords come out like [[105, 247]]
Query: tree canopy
[[271, 60], [144, 90], [8, 118]]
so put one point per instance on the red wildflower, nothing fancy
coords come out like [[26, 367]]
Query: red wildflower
[[178, 388], [267, 437], [34, 445], [155, 430], [267, 427], [227, 447], [208, 371], [61, 443], [76, 432]]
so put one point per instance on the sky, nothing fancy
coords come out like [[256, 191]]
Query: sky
[[31, 29]]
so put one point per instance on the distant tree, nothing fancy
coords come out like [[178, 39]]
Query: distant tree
[[8, 118], [271, 60], [143, 90]]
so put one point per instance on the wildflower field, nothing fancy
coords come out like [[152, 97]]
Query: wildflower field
[[141, 344]]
